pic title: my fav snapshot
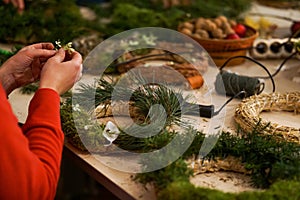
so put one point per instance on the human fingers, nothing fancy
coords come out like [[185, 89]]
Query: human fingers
[[75, 58], [76, 62], [18, 4], [59, 56], [29, 58], [44, 45], [59, 74], [14, 2], [36, 69], [36, 53], [79, 74]]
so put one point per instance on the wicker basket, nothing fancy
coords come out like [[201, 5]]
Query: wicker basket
[[222, 49]]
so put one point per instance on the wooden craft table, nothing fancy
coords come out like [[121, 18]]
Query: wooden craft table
[[118, 183], [121, 183]]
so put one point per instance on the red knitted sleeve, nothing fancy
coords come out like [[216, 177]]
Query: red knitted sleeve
[[30, 157]]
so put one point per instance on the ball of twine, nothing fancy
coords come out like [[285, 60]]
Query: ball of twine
[[247, 114]]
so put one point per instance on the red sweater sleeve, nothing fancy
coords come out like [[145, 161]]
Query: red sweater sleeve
[[30, 157]]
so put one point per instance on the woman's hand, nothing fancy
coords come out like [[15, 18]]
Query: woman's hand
[[61, 71], [25, 66], [19, 4]]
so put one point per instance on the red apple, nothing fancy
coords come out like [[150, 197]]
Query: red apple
[[233, 36], [295, 28], [240, 29]]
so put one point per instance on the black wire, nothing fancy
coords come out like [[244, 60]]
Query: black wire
[[287, 58], [279, 68], [228, 101], [256, 62]]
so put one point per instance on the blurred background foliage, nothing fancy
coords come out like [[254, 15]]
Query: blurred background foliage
[[128, 14], [50, 20], [42, 20]]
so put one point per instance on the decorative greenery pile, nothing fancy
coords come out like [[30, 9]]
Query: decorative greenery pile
[[45, 20], [153, 13], [142, 99], [4, 54], [274, 164], [178, 190], [42, 20], [268, 159], [93, 131]]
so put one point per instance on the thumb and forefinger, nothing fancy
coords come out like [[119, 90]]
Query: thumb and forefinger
[[59, 56], [63, 56]]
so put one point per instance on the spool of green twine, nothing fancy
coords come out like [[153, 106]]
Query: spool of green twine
[[234, 83]]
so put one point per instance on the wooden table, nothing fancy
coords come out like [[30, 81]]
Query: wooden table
[[121, 183], [117, 182]]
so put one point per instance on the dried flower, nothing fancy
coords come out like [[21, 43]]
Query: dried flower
[[67, 47]]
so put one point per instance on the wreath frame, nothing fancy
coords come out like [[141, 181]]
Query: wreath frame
[[247, 114]]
